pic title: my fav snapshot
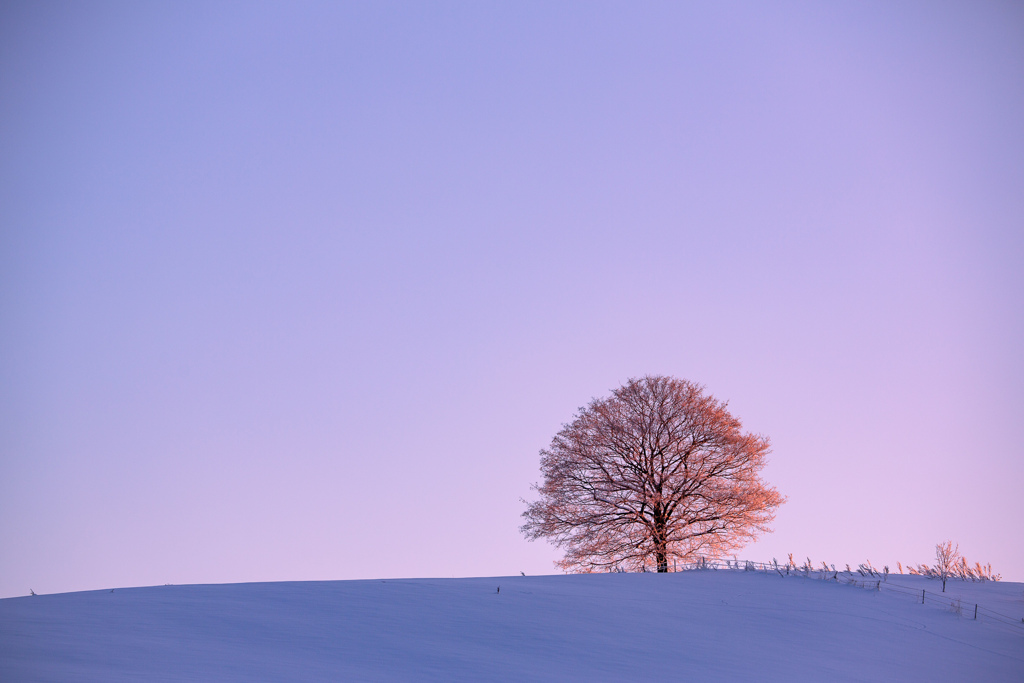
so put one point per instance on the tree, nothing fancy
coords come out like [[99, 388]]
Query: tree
[[947, 557], [656, 472]]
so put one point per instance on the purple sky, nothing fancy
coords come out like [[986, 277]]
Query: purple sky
[[299, 291]]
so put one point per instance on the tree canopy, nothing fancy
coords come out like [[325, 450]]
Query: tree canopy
[[656, 472]]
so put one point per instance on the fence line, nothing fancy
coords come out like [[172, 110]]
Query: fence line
[[878, 581]]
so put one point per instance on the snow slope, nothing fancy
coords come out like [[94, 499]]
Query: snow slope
[[700, 625]]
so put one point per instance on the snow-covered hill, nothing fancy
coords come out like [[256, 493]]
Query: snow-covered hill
[[700, 625]]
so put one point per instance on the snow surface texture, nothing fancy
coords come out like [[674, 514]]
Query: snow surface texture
[[699, 625]]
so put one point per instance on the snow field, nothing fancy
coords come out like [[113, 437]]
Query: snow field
[[598, 627]]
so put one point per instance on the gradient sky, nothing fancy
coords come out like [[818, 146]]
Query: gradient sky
[[298, 291]]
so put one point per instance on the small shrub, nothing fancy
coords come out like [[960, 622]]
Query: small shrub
[[951, 564]]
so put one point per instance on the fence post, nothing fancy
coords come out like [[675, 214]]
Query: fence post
[[922, 596], [975, 611]]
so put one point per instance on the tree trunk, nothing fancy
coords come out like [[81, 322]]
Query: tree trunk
[[662, 560], [660, 542]]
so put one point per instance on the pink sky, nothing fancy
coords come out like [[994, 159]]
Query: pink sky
[[298, 291]]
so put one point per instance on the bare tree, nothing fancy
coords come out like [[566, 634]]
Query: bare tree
[[947, 557], [949, 563], [658, 471]]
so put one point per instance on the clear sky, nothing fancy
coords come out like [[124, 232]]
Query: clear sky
[[298, 291]]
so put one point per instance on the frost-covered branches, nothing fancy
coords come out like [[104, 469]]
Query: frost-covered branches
[[950, 564], [946, 557], [657, 472], [961, 570]]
